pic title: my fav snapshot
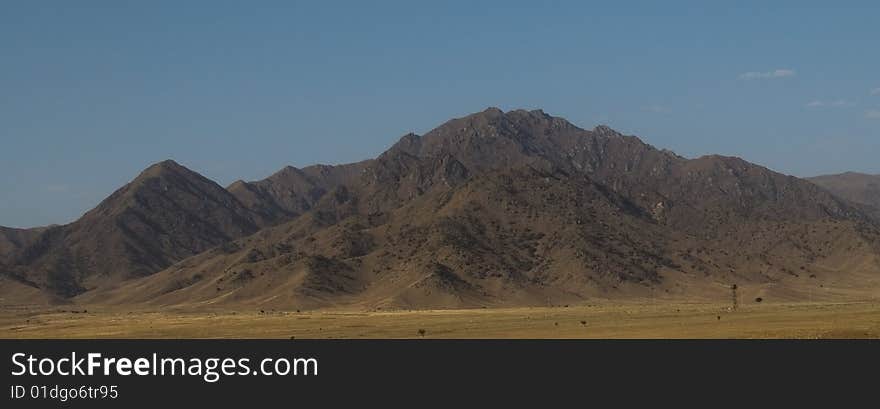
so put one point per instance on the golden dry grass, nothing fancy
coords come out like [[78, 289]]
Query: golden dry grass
[[667, 320]]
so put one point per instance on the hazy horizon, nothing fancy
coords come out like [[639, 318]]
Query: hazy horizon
[[97, 93]]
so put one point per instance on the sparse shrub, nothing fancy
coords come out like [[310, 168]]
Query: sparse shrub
[[422, 332], [584, 323], [759, 299]]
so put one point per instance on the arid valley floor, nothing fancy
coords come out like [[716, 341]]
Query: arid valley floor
[[631, 320]]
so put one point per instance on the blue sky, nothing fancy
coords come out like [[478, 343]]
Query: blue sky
[[92, 92]]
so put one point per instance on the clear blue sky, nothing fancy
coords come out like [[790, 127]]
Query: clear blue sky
[[92, 92]]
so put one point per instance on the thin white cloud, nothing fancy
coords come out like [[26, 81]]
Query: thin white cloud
[[840, 103], [875, 91], [779, 73], [872, 114]]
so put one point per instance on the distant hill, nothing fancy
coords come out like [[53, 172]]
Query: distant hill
[[856, 187]]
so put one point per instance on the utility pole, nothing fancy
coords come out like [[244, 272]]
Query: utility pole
[[735, 299]]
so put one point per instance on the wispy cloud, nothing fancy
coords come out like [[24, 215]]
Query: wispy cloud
[[872, 114], [840, 103], [756, 75], [657, 109], [875, 91]]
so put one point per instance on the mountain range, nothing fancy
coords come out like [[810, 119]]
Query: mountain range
[[492, 209]]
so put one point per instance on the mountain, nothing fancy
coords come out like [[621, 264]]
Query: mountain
[[856, 187], [291, 192], [164, 215], [523, 208], [690, 192]]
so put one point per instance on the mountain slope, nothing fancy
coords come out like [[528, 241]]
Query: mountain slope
[[12, 240]]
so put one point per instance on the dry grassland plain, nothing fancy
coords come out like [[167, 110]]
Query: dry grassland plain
[[629, 320]]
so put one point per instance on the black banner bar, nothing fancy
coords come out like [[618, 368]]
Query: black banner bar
[[416, 373]]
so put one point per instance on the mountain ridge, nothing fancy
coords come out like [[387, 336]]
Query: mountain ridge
[[507, 208]]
